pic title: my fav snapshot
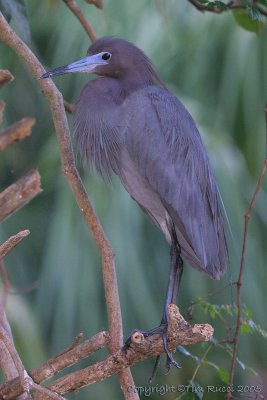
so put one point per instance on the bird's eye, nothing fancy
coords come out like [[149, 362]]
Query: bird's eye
[[106, 56]]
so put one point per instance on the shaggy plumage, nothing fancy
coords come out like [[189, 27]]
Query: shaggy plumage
[[124, 122]]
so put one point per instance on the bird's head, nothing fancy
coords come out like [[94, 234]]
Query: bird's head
[[111, 57]]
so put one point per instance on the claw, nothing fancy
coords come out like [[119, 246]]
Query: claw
[[156, 366], [158, 330]]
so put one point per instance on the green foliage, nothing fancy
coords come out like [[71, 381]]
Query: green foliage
[[225, 315], [218, 71], [224, 375], [249, 16], [16, 11], [249, 19]]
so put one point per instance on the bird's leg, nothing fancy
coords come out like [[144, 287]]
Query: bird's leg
[[175, 276], [176, 269]]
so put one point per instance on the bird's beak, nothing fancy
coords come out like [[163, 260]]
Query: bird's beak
[[87, 64]]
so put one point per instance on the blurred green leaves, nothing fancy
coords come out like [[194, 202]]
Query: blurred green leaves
[[16, 11], [249, 15], [249, 19], [219, 72]]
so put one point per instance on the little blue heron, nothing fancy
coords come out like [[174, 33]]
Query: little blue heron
[[128, 122]]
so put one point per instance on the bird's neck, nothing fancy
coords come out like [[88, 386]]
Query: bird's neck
[[130, 83]]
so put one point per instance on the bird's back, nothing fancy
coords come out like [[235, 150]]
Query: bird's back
[[166, 148]]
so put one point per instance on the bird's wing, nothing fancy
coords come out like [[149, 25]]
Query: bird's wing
[[164, 144]]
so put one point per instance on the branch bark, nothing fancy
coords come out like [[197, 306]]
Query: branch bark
[[5, 77], [2, 109], [12, 242], [179, 333], [19, 193], [18, 131], [69, 357], [231, 5], [97, 3], [73, 6], [54, 97]]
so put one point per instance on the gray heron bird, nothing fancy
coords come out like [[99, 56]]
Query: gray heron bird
[[127, 122]]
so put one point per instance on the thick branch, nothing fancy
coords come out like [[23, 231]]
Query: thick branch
[[69, 169], [6, 362], [73, 6], [10, 347], [5, 77], [18, 131], [70, 357], [179, 333], [19, 193], [25, 381], [12, 242]]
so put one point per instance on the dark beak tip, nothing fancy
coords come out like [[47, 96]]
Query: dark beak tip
[[45, 75]]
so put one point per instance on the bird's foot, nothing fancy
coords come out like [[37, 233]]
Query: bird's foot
[[158, 330]]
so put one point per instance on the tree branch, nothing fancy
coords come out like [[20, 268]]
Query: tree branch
[[179, 333], [25, 381], [19, 193], [5, 77], [70, 356], [2, 109], [18, 131], [231, 5], [12, 242], [97, 3], [68, 107], [70, 172], [73, 6]]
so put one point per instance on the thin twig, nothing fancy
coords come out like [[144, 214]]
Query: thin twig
[[73, 6], [70, 172], [19, 193], [18, 131], [69, 107], [12, 242], [199, 364], [265, 110], [2, 109], [231, 5], [97, 3], [6, 362], [5, 77], [74, 344], [241, 269], [6, 288], [211, 294]]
